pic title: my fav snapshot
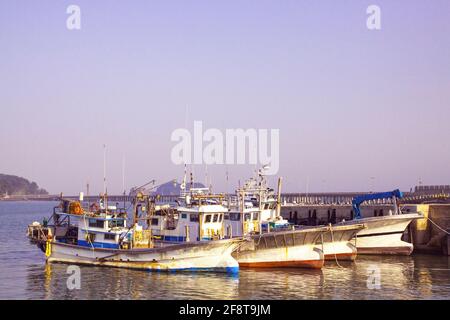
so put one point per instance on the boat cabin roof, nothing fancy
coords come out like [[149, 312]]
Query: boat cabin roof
[[91, 216]]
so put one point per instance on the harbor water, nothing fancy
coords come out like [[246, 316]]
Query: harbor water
[[25, 275]]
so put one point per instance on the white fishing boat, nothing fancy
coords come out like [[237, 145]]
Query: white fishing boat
[[383, 235], [338, 242], [282, 249], [100, 236], [276, 243]]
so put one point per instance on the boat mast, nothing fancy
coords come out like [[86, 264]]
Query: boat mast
[[104, 180], [87, 195], [123, 181], [280, 180]]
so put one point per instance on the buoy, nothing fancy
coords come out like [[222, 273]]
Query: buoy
[[48, 248]]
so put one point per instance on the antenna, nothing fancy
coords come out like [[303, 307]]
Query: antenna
[[105, 189], [206, 176], [307, 188], [183, 184], [104, 168], [87, 195], [123, 174], [123, 180], [227, 179]]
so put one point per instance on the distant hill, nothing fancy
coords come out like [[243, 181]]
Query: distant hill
[[14, 185], [172, 189]]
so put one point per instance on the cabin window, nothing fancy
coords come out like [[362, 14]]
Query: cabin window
[[266, 206], [220, 218], [235, 216], [116, 223], [94, 223], [247, 217], [255, 216], [375, 213], [227, 216], [155, 221], [183, 216], [216, 218], [110, 236], [381, 213], [194, 217], [208, 218]]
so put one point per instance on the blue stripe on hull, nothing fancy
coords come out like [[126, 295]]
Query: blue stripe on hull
[[229, 270], [103, 245], [180, 239], [173, 239]]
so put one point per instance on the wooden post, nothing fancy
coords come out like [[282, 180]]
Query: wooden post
[[230, 231], [200, 226], [187, 234]]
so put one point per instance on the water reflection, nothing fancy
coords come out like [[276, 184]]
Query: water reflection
[[50, 282], [280, 284], [401, 278]]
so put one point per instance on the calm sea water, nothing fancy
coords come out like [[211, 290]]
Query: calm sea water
[[25, 275]]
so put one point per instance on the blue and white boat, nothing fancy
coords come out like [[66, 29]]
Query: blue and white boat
[[101, 236]]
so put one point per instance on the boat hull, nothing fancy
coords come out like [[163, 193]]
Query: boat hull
[[383, 235], [199, 256], [288, 249], [337, 242]]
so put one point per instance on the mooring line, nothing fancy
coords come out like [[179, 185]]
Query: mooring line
[[332, 241], [438, 226]]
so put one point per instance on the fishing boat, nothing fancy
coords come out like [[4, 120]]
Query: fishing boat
[[100, 236], [255, 212], [282, 249], [383, 234]]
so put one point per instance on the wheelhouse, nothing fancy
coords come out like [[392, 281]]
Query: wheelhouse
[[200, 218], [95, 226]]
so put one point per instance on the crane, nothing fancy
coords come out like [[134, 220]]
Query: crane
[[148, 187], [357, 201]]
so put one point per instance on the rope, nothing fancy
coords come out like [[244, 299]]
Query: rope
[[88, 237], [439, 227], [335, 254], [259, 240]]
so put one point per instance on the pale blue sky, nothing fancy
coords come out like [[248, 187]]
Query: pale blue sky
[[350, 103]]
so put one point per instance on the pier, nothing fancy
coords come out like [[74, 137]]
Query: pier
[[420, 195]]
